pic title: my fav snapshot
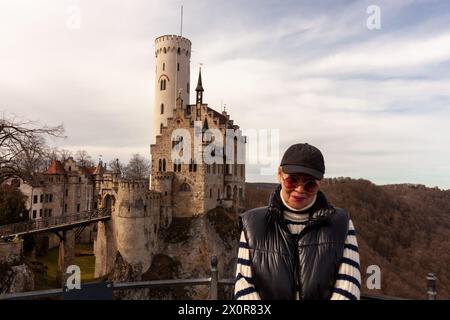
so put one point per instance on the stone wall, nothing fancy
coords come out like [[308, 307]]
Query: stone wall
[[131, 232], [11, 252]]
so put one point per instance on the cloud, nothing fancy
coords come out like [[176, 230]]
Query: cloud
[[375, 102]]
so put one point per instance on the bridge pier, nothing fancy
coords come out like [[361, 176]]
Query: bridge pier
[[66, 254]]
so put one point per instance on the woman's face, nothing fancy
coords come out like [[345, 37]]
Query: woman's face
[[296, 196]]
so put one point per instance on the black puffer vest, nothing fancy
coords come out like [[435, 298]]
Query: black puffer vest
[[280, 260]]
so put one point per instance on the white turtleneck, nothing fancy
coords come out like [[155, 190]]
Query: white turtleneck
[[298, 210]]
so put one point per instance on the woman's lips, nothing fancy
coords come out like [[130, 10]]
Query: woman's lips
[[298, 198]]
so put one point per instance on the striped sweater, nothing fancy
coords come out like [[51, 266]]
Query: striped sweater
[[348, 280]]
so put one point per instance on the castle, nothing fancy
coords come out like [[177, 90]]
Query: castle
[[184, 185]]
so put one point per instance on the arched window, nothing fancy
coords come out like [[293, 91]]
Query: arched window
[[165, 51], [164, 165], [179, 50], [177, 165], [185, 187], [160, 165], [160, 128], [162, 84], [164, 66], [162, 108]]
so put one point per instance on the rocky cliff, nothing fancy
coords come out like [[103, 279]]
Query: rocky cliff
[[184, 251]]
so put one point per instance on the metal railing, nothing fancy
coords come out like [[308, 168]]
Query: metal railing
[[42, 224], [90, 291]]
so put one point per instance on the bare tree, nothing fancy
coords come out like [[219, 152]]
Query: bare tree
[[64, 154], [83, 159], [22, 146], [137, 168], [117, 167]]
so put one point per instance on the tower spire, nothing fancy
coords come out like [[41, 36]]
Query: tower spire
[[199, 88]]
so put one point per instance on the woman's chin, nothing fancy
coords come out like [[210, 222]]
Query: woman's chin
[[298, 203]]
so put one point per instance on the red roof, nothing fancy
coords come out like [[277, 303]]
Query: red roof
[[55, 168]]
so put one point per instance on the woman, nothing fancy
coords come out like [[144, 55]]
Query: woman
[[299, 246]]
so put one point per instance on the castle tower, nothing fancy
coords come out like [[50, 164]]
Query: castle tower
[[171, 79]]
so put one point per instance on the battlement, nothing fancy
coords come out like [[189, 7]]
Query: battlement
[[164, 175], [133, 185], [172, 43], [172, 38]]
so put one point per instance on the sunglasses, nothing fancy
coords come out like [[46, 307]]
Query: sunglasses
[[292, 181]]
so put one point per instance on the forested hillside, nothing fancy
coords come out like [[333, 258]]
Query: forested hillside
[[404, 229]]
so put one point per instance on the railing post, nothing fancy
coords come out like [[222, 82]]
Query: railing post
[[214, 278], [431, 285]]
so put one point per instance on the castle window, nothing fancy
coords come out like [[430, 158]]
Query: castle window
[[160, 165], [177, 165], [162, 108], [178, 66], [187, 89], [42, 198], [40, 212], [164, 66], [241, 194], [162, 84], [50, 197], [160, 128], [178, 51], [165, 51], [78, 207], [65, 208], [164, 165], [185, 187], [34, 214], [228, 192]]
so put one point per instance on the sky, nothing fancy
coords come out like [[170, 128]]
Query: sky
[[375, 101]]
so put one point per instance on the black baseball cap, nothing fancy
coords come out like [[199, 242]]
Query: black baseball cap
[[303, 158]]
